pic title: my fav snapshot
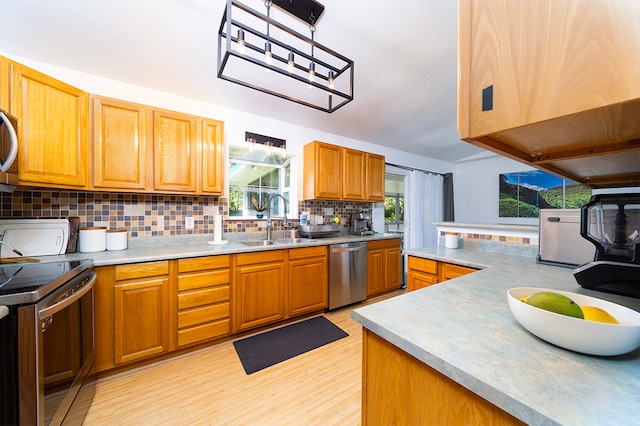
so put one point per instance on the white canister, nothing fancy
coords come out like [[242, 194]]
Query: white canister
[[92, 239], [451, 240], [116, 239]]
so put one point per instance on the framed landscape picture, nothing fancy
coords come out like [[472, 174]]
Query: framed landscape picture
[[523, 194]]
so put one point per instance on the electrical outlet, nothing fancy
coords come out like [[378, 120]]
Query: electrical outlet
[[188, 222]]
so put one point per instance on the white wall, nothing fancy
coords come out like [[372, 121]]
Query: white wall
[[476, 188]]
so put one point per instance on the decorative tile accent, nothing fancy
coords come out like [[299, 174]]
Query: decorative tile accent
[[498, 238], [146, 215]]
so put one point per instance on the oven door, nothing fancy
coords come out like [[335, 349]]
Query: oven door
[[56, 355]]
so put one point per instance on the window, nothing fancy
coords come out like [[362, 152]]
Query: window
[[256, 174], [394, 201]]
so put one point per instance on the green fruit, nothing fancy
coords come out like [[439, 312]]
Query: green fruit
[[554, 302]]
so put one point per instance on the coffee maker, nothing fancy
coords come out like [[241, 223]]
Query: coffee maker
[[612, 223], [360, 223]]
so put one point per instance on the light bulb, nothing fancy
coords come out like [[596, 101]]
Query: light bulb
[[331, 86], [312, 71], [290, 62], [267, 53], [241, 47]]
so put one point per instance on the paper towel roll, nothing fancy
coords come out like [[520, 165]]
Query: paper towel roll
[[217, 227]]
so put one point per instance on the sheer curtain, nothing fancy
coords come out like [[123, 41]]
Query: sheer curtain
[[424, 206]]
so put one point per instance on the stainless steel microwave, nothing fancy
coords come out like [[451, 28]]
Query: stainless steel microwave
[[8, 151]]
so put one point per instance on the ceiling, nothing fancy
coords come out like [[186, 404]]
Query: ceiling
[[405, 56]]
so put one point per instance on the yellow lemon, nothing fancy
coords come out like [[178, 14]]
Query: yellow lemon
[[591, 313]]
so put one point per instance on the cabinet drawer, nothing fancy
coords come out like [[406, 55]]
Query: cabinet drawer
[[203, 279], [141, 270], [260, 257], [307, 252], [384, 244], [203, 314], [449, 271], [203, 297], [203, 332], [424, 265], [203, 263]]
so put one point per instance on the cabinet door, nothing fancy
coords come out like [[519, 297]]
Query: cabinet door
[[322, 171], [53, 130], [417, 280], [259, 297], [4, 84], [174, 152], [544, 59], [212, 157], [308, 288], [375, 178], [141, 318], [375, 272], [392, 268], [353, 174], [119, 145]]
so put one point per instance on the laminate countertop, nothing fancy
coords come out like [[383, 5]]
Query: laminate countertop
[[181, 247], [464, 329]]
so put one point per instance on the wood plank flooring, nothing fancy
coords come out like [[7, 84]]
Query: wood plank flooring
[[209, 387]]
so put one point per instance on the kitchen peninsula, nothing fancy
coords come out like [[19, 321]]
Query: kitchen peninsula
[[464, 355]]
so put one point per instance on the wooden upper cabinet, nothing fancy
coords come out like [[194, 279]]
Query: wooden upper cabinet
[[174, 152], [4, 83], [212, 157], [332, 172], [53, 129], [322, 171], [554, 85], [374, 187], [119, 145], [353, 174]]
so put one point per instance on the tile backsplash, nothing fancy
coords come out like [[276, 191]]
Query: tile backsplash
[[145, 215]]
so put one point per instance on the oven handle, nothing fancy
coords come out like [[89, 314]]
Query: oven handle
[[69, 298]]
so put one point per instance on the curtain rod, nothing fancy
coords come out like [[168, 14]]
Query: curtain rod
[[412, 169]]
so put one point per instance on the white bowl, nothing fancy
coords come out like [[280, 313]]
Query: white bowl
[[589, 337]]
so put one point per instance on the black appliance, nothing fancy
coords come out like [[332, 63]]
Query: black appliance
[[612, 223], [47, 345]]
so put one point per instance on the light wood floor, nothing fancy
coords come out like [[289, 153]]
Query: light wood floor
[[209, 387]]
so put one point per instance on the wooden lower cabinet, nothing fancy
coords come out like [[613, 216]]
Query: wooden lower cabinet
[[425, 272], [383, 266], [308, 286], [141, 311], [399, 389], [203, 299], [421, 273], [259, 289]]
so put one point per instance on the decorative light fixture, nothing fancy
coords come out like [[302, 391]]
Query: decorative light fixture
[[285, 52]]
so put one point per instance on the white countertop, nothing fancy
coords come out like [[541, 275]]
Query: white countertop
[[464, 329]]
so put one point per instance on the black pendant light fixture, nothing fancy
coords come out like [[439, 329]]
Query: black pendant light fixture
[[298, 68]]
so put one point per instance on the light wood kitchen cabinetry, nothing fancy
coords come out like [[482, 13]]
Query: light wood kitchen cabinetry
[[175, 152], [400, 389], [4, 83], [142, 311], [421, 273], [119, 142], [332, 172], [203, 299], [259, 289], [212, 163], [53, 129], [383, 266], [353, 174], [374, 187], [554, 85], [425, 272], [308, 280]]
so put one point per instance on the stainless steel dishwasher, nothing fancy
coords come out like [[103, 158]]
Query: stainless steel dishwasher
[[347, 274]]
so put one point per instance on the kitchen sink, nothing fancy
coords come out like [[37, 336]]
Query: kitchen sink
[[294, 240], [258, 243]]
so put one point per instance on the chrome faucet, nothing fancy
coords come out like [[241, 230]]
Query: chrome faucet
[[12, 249], [269, 223]]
